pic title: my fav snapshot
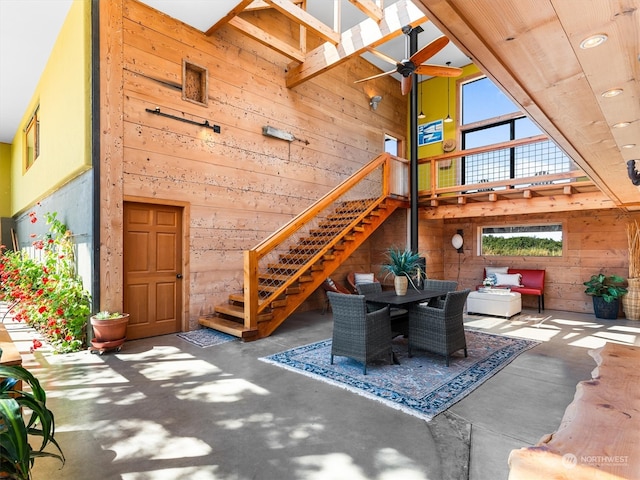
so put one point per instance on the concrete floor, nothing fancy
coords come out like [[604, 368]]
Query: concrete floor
[[165, 409]]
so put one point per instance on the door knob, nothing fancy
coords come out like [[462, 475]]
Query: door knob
[[179, 275]]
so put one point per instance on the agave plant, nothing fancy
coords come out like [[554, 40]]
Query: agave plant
[[403, 263], [23, 414]]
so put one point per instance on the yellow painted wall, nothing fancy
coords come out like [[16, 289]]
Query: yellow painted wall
[[63, 93], [5, 180], [432, 101]]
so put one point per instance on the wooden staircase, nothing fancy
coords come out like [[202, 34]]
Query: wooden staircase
[[302, 269]]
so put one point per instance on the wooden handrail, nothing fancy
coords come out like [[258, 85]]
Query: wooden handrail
[[484, 149], [292, 226]]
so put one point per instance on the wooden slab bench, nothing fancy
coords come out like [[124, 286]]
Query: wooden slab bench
[[599, 436], [10, 354]]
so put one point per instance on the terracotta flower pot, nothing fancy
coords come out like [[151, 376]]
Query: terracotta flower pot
[[110, 329]]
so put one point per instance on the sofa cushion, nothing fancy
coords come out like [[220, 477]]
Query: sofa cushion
[[364, 278], [506, 279]]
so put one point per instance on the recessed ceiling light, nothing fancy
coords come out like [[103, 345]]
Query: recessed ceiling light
[[593, 41], [628, 145], [621, 124], [614, 92]]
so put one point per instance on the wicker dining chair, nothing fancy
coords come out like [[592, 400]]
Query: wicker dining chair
[[434, 284], [439, 330], [357, 334], [399, 316]]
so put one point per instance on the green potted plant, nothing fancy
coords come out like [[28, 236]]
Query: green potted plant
[[109, 330], [606, 291], [23, 414], [404, 265]]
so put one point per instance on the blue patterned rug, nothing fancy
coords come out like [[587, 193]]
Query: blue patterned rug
[[423, 385], [206, 337]]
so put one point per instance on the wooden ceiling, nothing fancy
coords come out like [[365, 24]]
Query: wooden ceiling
[[530, 48]]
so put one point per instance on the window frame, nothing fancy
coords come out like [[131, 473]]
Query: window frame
[[540, 223], [32, 128]]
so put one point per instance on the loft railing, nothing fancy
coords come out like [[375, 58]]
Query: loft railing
[[271, 267], [515, 164]]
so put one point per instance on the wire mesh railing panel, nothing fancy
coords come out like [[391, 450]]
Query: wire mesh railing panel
[[309, 241]]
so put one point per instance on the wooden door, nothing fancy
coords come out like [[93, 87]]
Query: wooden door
[[152, 269]]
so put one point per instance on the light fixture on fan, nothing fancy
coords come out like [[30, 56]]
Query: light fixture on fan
[[457, 241], [421, 114], [448, 119]]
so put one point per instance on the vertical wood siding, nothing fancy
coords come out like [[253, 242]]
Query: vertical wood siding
[[240, 185]]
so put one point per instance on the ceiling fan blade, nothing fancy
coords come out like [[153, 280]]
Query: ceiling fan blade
[[428, 51], [375, 76], [382, 56], [406, 84], [438, 71]]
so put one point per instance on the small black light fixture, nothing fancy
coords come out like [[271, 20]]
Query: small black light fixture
[[421, 115], [458, 240], [448, 119]]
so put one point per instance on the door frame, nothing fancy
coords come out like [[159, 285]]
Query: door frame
[[186, 235]]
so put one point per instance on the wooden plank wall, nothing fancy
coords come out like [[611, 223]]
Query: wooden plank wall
[[240, 185], [595, 241]]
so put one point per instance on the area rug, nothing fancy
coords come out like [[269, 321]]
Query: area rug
[[422, 386], [206, 337]]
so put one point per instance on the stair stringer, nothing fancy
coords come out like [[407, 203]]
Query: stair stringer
[[293, 301]]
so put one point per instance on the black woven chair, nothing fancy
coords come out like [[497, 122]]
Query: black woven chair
[[399, 316], [439, 330], [357, 334], [433, 284]]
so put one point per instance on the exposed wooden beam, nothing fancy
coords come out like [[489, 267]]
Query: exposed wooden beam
[[298, 15], [357, 40], [369, 8], [230, 15], [266, 39], [263, 5], [565, 203]]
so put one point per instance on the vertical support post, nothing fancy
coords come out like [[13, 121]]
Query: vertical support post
[[413, 129], [250, 289]]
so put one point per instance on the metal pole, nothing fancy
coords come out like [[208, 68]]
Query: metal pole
[[413, 136]]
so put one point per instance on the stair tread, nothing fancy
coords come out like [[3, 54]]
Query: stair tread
[[237, 311], [227, 326]]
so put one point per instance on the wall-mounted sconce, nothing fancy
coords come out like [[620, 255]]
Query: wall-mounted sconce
[[457, 241], [374, 101]]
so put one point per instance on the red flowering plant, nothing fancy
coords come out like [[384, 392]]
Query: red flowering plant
[[50, 294]]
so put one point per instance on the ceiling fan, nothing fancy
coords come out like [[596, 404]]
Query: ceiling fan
[[414, 64]]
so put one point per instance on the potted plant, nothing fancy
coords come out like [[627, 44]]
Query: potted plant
[[23, 414], [404, 265], [606, 291], [109, 330]]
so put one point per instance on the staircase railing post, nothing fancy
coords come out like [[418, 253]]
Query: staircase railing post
[[251, 289], [386, 177]]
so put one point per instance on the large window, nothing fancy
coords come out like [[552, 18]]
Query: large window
[[32, 140], [490, 117], [522, 240]]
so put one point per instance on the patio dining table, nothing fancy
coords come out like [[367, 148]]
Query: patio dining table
[[389, 297]]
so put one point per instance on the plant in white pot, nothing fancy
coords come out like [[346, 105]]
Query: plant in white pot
[[109, 330], [404, 265]]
